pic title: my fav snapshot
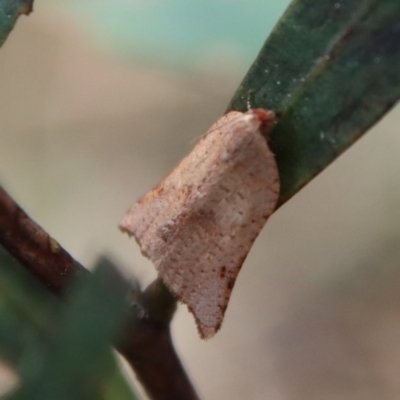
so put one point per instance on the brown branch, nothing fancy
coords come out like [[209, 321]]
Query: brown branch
[[39, 253], [146, 342], [148, 346]]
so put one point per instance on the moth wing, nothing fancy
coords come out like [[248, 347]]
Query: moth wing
[[199, 224]]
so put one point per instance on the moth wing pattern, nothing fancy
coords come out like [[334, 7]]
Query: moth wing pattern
[[198, 225]]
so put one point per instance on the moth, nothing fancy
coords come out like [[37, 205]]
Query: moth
[[198, 225]]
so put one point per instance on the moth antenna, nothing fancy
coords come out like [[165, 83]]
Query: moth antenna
[[196, 138]]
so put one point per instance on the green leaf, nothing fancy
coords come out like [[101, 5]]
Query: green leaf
[[62, 352], [118, 388], [331, 70], [10, 10], [27, 312]]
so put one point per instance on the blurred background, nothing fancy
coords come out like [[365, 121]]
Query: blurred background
[[100, 100]]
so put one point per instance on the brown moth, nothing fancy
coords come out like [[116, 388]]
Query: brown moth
[[199, 223]]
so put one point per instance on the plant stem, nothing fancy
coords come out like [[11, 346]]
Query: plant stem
[[146, 342]]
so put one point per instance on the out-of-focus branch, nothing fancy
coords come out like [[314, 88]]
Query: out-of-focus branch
[[35, 249], [148, 347], [146, 341]]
